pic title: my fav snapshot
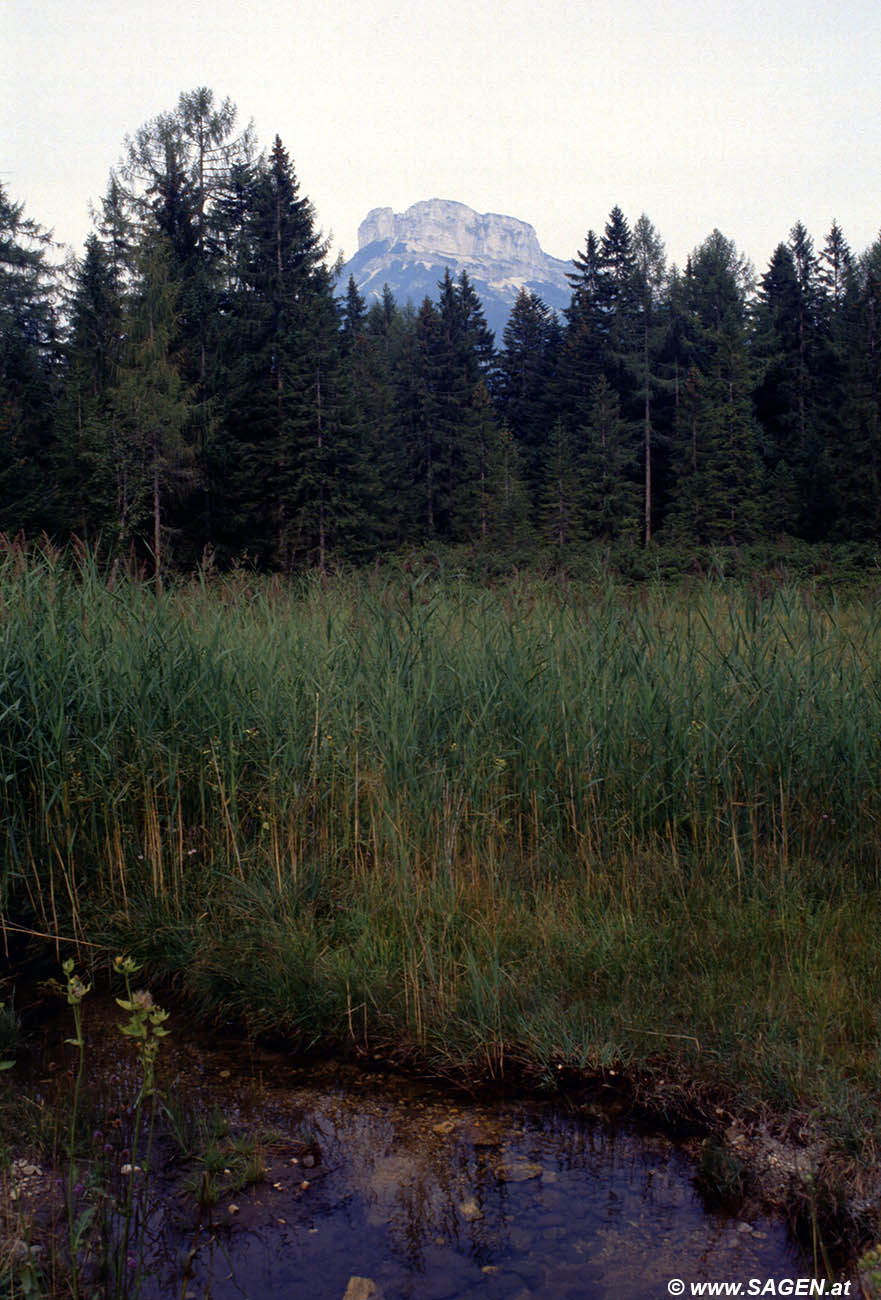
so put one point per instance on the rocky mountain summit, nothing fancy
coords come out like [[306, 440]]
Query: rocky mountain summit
[[409, 252]]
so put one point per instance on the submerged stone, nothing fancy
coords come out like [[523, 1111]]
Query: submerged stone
[[362, 1288], [518, 1171], [481, 1135]]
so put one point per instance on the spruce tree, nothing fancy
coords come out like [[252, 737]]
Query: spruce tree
[[146, 445], [839, 290], [231, 338], [775, 349], [649, 278], [280, 252], [445, 408], [466, 362], [718, 497], [28, 365], [425, 417], [619, 303], [93, 352], [813, 469], [836, 268], [322, 424], [475, 338], [604, 335], [583, 345], [175, 176], [371, 347], [510, 503], [792, 337], [585, 279], [561, 502], [856, 456], [611, 497], [523, 380], [353, 318], [718, 470], [115, 228]]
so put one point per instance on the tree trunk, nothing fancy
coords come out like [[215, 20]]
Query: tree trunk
[[322, 536], [157, 515], [648, 435]]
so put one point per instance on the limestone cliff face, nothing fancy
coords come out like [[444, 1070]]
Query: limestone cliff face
[[410, 250], [442, 227]]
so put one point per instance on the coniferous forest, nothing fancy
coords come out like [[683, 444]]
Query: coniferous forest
[[197, 383]]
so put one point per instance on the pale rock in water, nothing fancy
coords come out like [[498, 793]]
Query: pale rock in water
[[362, 1288], [518, 1171], [409, 252]]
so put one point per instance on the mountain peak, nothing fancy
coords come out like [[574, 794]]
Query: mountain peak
[[444, 226], [410, 250]]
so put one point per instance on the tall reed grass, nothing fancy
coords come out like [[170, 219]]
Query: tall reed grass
[[577, 823]]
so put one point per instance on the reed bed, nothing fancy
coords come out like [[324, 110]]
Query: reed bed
[[576, 825]]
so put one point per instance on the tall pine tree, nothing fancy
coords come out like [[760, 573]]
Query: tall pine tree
[[718, 481], [28, 357]]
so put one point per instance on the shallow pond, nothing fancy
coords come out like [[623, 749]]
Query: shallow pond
[[426, 1195]]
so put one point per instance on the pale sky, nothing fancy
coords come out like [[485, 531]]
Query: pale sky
[[744, 116]]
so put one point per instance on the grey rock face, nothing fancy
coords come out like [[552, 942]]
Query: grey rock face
[[440, 226], [409, 252]]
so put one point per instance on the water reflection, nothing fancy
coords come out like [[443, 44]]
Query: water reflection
[[443, 1201], [428, 1197]]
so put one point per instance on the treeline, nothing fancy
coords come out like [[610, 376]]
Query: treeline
[[196, 382]]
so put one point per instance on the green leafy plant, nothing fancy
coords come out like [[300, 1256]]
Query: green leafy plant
[[105, 1227], [78, 1224], [146, 1025]]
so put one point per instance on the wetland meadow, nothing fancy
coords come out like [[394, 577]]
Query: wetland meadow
[[539, 834]]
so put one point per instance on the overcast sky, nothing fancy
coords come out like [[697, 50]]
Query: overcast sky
[[745, 116]]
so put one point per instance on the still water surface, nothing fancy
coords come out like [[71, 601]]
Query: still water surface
[[440, 1199], [428, 1195]]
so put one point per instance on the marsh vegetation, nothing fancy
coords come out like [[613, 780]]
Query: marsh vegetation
[[537, 826]]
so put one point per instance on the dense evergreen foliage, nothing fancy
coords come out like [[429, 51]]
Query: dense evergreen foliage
[[197, 383]]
